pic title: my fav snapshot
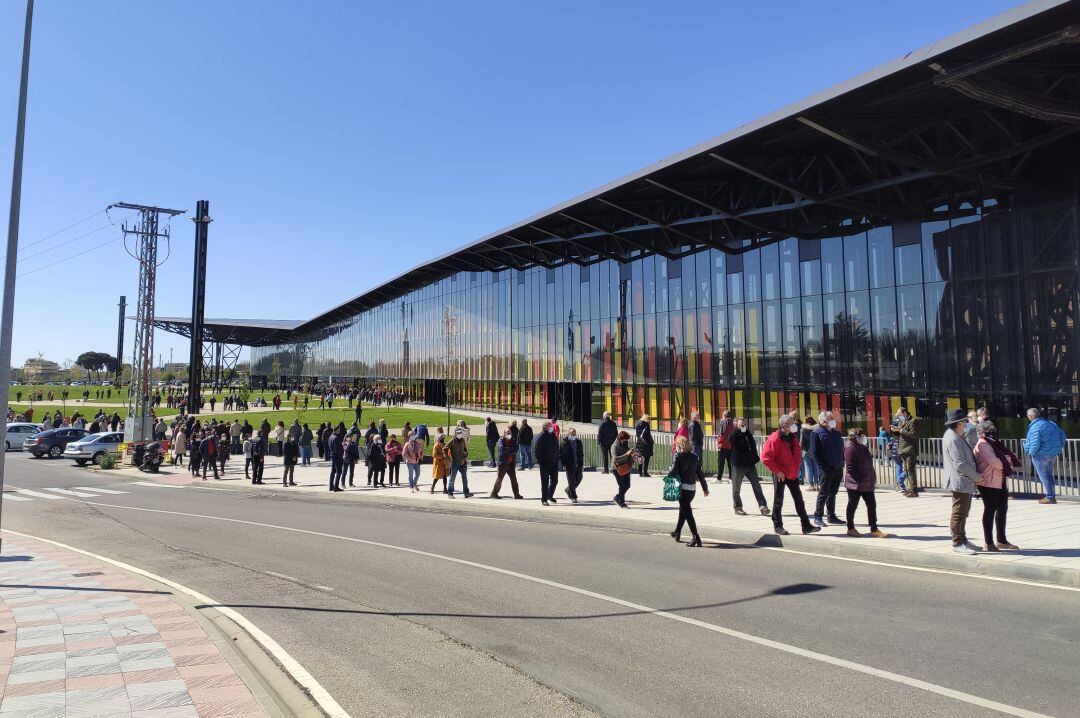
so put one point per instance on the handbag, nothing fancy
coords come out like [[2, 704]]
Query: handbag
[[672, 488]]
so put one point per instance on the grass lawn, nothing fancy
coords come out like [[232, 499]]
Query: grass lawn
[[395, 417]]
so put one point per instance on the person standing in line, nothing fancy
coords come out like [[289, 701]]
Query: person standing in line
[[572, 455], [971, 429], [350, 454], [547, 457], [223, 449], [907, 429], [291, 454], [393, 460], [555, 428], [897, 462], [508, 451], [960, 477], [384, 433], [279, 437], [995, 464], [234, 436], [644, 443], [439, 470], [723, 443], [179, 447], [697, 437], [525, 442], [781, 455], [622, 460], [195, 453], [333, 453], [683, 430], [1044, 443], [247, 457], [514, 431], [320, 445], [744, 460], [305, 446], [295, 430], [413, 453], [606, 434], [258, 458], [377, 461], [883, 446], [459, 463], [208, 449], [859, 481], [808, 470], [687, 467], [491, 434], [827, 447]]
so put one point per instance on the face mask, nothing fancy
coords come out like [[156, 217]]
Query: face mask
[[832, 423], [550, 430], [861, 440], [573, 437], [795, 427], [744, 428]]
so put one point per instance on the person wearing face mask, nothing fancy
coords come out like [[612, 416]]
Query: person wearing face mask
[[971, 429], [744, 459], [961, 477], [508, 450], [686, 466], [781, 455], [827, 448], [572, 455], [859, 480], [622, 458], [907, 430], [644, 443], [546, 453]]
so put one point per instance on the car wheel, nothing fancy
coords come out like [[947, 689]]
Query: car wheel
[[97, 458], [56, 452], [80, 462]]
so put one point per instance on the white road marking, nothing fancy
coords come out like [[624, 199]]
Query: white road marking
[[11, 496], [156, 485], [39, 495], [294, 579], [731, 633], [282, 575], [290, 664], [68, 492], [100, 490], [324, 588]]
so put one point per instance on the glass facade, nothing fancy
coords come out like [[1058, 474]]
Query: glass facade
[[973, 305]]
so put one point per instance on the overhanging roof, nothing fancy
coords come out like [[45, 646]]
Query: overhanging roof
[[248, 332], [951, 122]]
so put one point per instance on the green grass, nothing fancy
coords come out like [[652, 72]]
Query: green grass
[[395, 417]]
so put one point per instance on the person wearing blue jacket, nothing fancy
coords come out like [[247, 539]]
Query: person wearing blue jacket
[[1045, 441], [827, 448]]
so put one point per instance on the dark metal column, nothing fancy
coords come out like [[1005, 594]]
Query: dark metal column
[[120, 340], [198, 303]]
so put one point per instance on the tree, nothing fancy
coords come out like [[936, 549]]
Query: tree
[[450, 333], [90, 361]]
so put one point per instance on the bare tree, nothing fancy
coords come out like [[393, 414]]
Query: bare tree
[[450, 334]]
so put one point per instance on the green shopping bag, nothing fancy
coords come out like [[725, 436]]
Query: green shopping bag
[[672, 488]]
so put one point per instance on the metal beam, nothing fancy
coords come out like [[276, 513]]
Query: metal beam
[[583, 247], [659, 224], [647, 247]]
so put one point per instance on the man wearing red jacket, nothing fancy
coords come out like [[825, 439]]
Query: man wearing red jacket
[[781, 456]]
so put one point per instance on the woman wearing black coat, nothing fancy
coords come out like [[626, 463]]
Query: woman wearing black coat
[[644, 443], [376, 462], [687, 467], [622, 455]]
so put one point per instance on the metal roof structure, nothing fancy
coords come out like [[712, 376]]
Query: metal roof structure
[[956, 121], [247, 332]]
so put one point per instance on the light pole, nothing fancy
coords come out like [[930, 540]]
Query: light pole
[[8, 313]]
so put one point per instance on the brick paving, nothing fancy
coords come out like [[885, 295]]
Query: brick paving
[[80, 638]]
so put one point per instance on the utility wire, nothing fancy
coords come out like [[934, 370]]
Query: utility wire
[[77, 254], [61, 231], [74, 239]]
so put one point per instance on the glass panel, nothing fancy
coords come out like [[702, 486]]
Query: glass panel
[[832, 265], [912, 316], [940, 336], [811, 277], [719, 277], [793, 330], [813, 343], [735, 293], [737, 335], [834, 311], [704, 279], [886, 342], [972, 334], [908, 265], [935, 250], [770, 272], [772, 330], [881, 257], [752, 275], [855, 262], [753, 343], [789, 268], [857, 339]]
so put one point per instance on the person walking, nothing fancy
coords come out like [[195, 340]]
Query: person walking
[[305, 446], [572, 455], [259, 448], [413, 453], [334, 454], [995, 464], [809, 470], [907, 429], [393, 460], [606, 434], [960, 478], [507, 456], [697, 437], [291, 455], [525, 444], [744, 461], [179, 447], [644, 443], [622, 460], [350, 454], [547, 457], [859, 481], [439, 470], [687, 467], [459, 462], [208, 452], [1044, 442], [723, 443], [491, 434], [781, 455], [827, 448]]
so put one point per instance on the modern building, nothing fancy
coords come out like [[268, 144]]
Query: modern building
[[910, 236]]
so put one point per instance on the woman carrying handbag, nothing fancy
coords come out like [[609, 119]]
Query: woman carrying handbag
[[687, 470]]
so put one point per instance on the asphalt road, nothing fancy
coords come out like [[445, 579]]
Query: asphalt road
[[400, 611]]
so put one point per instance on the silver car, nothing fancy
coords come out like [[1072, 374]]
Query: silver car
[[18, 432], [93, 446]]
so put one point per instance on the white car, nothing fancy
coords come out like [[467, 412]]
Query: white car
[[93, 446], [17, 433]]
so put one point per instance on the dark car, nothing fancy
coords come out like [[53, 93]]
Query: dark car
[[52, 443]]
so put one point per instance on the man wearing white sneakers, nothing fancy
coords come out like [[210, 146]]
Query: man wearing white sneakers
[[961, 476]]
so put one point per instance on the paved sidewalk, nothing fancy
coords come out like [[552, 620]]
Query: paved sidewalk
[[1049, 536], [79, 637]]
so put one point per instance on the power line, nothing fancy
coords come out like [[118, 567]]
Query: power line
[[61, 231], [77, 254], [75, 239]]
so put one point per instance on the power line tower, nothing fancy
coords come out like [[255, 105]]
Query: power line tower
[[147, 232]]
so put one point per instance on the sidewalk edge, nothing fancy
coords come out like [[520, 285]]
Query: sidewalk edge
[[254, 654]]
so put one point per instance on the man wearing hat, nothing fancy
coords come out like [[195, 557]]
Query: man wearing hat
[[960, 478]]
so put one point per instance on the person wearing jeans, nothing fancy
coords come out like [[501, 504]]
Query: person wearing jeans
[[525, 439], [744, 458], [1045, 441], [827, 449], [459, 462], [413, 453]]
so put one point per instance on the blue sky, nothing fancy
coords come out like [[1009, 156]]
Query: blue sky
[[340, 143]]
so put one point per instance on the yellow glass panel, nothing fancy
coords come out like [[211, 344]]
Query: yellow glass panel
[[952, 403]]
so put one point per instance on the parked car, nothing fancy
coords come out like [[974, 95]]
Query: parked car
[[93, 446], [52, 443], [18, 432]]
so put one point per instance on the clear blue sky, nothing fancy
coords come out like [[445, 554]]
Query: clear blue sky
[[340, 143]]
